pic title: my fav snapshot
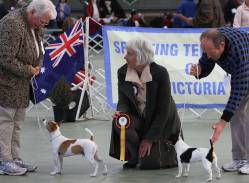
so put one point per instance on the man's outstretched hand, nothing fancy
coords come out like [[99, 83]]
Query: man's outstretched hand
[[218, 128]]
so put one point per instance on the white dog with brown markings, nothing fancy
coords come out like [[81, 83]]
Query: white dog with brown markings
[[63, 147]]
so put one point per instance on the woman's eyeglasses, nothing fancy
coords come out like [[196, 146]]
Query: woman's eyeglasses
[[42, 22]]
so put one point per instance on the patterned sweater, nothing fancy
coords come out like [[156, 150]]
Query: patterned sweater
[[17, 52], [234, 61]]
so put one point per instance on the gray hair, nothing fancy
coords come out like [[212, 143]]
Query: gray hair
[[214, 35], [143, 50], [43, 6]]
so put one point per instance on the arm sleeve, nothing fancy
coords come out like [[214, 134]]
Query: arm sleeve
[[207, 65], [67, 11], [10, 41], [163, 108], [239, 90]]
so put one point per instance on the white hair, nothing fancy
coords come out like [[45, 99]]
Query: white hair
[[143, 50], [43, 6]]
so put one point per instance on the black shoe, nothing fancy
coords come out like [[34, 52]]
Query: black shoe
[[129, 166]]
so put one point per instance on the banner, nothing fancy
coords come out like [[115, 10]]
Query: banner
[[176, 50]]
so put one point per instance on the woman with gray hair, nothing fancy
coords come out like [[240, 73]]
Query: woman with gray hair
[[40, 12], [20, 58], [144, 95]]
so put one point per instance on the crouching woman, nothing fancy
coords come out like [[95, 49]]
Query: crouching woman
[[146, 104]]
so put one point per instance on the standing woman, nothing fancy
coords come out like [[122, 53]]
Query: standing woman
[[21, 58], [144, 94]]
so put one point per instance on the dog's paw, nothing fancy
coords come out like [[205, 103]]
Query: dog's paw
[[185, 175], [209, 179], [93, 175], [104, 173], [54, 173], [178, 176], [218, 177]]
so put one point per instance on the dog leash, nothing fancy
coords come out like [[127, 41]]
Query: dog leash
[[185, 99], [35, 105]]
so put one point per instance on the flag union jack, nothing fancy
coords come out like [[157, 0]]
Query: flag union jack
[[63, 58], [66, 44]]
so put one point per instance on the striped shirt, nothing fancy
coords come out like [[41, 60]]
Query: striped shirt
[[234, 61]]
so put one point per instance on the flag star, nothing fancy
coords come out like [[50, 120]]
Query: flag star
[[43, 70], [43, 91]]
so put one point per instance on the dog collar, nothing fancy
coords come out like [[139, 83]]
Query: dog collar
[[54, 138]]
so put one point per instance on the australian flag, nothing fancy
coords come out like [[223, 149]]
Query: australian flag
[[63, 57]]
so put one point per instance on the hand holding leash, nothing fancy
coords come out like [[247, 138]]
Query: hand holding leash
[[195, 70], [218, 128], [34, 70]]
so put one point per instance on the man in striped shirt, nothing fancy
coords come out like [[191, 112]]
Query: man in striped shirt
[[229, 48]]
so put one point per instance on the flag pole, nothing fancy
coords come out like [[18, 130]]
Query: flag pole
[[89, 66], [86, 80]]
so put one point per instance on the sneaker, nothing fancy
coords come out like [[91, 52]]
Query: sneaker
[[29, 167], [233, 166], [244, 169], [10, 168]]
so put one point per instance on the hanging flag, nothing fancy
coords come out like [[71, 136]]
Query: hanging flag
[[63, 57], [94, 27]]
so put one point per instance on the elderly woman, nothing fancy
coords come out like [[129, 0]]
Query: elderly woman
[[145, 95], [20, 59]]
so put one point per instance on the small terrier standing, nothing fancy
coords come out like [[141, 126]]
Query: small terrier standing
[[63, 147], [187, 155]]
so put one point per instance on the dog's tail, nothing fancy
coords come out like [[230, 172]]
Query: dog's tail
[[90, 132], [210, 155]]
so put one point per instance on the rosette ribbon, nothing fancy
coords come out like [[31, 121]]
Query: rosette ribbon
[[123, 122]]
